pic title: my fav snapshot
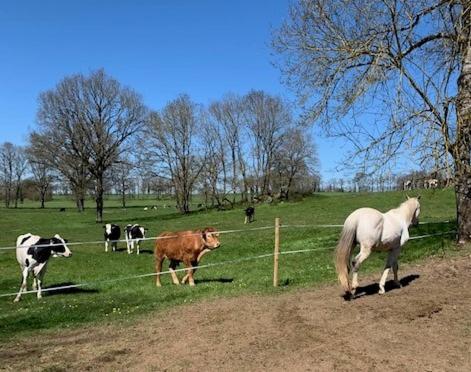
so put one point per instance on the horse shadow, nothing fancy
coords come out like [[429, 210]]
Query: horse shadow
[[372, 289], [70, 290]]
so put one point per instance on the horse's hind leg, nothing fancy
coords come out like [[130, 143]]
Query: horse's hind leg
[[391, 262], [365, 251], [396, 278]]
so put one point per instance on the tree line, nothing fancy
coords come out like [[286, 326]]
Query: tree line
[[94, 135]]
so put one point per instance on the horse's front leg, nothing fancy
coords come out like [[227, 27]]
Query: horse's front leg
[[391, 262]]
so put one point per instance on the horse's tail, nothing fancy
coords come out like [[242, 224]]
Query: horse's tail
[[343, 252]]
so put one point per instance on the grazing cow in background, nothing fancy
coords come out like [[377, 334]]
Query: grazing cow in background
[[408, 185], [184, 246], [112, 234], [249, 214], [431, 183], [33, 253], [134, 233], [62, 210]]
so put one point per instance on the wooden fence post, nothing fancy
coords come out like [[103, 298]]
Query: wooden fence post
[[277, 252]]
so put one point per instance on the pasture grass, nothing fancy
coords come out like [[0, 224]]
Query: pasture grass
[[122, 301]]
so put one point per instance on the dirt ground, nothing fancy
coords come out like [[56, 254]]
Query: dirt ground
[[423, 326]]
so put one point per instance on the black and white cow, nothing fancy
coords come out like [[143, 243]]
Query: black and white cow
[[249, 214], [134, 233], [33, 253], [112, 234]]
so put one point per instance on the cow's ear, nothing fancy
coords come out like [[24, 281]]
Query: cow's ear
[[203, 234]]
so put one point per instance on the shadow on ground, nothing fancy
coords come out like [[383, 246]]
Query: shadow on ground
[[215, 280], [67, 290], [372, 289]]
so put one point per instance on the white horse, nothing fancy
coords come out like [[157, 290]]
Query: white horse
[[374, 231]]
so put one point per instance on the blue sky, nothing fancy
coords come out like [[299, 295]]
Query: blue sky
[[205, 48]]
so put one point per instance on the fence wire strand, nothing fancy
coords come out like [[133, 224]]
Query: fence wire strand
[[221, 263], [95, 242]]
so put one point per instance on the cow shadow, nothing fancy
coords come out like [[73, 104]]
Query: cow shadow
[[68, 290], [125, 250], [214, 280], [372, 289], [146, 251]]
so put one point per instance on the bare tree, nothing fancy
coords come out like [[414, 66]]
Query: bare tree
[[7, 160], [267, 117], [229, 113], [70, 163], [215, 165], [297, 154], [172, 146], [20, 164], [13, 165], [42, 174], [410, 59], [93, 116], [122, 178]]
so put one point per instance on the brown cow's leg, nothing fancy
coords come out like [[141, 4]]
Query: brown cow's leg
[[158, 270], [189, 270], [172, 266], [194, 264]]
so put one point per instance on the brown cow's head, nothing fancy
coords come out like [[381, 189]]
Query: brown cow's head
[[211, 238]]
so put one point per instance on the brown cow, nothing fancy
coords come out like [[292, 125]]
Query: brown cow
[[184, 246]]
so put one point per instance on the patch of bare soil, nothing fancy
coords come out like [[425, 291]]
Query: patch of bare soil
[[423, 326]]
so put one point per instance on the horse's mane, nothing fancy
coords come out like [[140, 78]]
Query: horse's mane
[[410, 205]]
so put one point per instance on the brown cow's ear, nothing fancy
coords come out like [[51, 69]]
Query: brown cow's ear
[[203, 235]]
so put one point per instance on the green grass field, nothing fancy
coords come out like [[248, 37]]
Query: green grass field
[[123, 300]]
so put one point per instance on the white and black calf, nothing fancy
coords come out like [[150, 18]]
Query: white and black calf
[[134, 234], [249, 214], [112, 235], [33, 253]]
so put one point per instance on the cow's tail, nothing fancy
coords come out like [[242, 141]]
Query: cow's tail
[[344, 251]]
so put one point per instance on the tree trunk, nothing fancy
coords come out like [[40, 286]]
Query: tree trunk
[[463, 207], [80, 203], [17, 192], [234, 173], [462, 147], [99, 198]]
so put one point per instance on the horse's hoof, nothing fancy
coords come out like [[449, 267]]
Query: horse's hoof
[[16, 300], [398, 284], [381, 291], [347, 296]]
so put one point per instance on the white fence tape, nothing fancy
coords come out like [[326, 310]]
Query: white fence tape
[[134, 240], [106, 281], [94, 242]]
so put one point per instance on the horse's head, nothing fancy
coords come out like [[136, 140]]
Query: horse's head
[[414, 206]]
